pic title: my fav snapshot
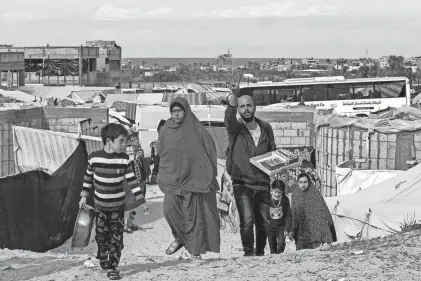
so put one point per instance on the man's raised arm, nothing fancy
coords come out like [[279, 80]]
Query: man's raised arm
[[231, 123]]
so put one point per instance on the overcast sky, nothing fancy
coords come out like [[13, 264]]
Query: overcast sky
[[192, 28]]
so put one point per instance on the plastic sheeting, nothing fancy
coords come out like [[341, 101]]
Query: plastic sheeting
[[37, 210], [350, 180], [379, 210], [405, 113], [386, 126]]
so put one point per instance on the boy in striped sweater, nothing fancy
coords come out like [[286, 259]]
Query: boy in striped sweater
[[106, 171]]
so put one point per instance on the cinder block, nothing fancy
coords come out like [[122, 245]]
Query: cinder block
[[283, 140], [274, 125], [298, 125], [334, 146], [382, 164], [67, 121], [364, 149], [61, 128], [390, 164], [391, 150], [291, 133], [298, 140], [278, 133], [283, 125], [341, 148], [383, 137], [341, 133], [374, 150], [391, 137], [304, 133], [72, 129], [357, 135], [383, 149]]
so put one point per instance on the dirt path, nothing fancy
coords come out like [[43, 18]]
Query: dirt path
[[392, 258]]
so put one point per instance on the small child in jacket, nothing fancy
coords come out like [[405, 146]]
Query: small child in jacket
[[154, 153], [105, 174], [280, 217], [131, 226]]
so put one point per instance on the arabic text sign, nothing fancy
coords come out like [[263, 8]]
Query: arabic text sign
[[368, 102]]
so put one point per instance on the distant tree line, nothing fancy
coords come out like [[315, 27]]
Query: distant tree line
[[196, 71]]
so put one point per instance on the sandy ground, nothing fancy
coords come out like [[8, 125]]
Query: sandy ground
[[392, 258]]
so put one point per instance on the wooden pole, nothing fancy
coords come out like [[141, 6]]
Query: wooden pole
[[80, 65], [89, 67], [48, 71], [30, 68]]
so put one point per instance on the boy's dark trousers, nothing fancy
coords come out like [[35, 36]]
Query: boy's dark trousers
[[109, 236], [276, 238]]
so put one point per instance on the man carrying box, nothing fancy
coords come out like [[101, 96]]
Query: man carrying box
[[249, 137]]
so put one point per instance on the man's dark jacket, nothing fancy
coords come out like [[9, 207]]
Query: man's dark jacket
[[244, 149]]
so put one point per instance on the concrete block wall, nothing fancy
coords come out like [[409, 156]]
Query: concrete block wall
[[68, 119], [291, 128], [31, 118], [384, 152]]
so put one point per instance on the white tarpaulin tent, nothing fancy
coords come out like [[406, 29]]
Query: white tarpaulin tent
[[148, 117], [350, 180], [379, 210]]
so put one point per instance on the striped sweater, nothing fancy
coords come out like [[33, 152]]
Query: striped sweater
[[106, 173]]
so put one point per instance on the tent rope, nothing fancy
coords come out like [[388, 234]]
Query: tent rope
[[366, 222], [335, 209]]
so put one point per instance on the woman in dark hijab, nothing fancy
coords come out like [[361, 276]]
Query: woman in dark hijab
[[187, 177], [312, 222]]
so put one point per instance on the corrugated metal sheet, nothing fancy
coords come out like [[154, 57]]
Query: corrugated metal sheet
[[93, 145], [131, 110], [192, 98], [41, 149], [211, 94]]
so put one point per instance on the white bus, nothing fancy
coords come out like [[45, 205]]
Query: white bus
[[346, 96]]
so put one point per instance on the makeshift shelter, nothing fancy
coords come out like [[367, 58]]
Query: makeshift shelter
[[380, 210], [19, 96], [350, 179], [59, 91], [380, 144], [88, 96], [196, 95], [39, 206]]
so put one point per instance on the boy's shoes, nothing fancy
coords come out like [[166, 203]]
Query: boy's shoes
[[105, 265], [114, 274]]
